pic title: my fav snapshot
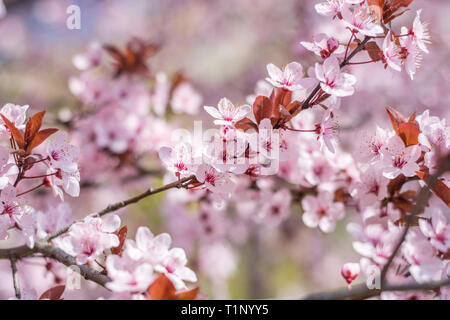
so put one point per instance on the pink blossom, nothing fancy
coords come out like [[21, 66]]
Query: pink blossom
[[350, 271], [185, 99], [217, 182], [332, 80], [361, 20], [127, 275], [437, 230], [88, 239], [333, 8], [91, 59], [178, 160], [62, 155], [16, 114], [324, 46], [399, 159], [420, 33], [327, 132], [275, 208], [391, 52], [226, 113], [290, 78], [321, 211]]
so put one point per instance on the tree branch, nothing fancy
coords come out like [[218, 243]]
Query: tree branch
[[422, 199], [361, 291], [15, 277]]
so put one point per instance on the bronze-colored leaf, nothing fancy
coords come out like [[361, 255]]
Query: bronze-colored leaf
[[33, 126], [409, 132], [262, 108], [40, 137], [16, 134], [54, 293], [122, 235]]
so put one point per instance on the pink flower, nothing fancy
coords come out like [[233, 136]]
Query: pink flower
[[321, 211], [350, 271], [6, 169], [178, 160], [217, 182], [269, 143], [372, 188], [391, 52], [420, 33], [185, 99], [147, 247], [332, 80], [327, 132], [361, 20], [16, 114], [276, 208], [54, 218], [399, 159], [332, 8], [437, 230], [127, 275], [62, 155], [91, 59], [174, 267], [13, 214], [226, 113], [87, 240], [324, 46], [411, 55], [372, 145], [425, 266], [290, 78]]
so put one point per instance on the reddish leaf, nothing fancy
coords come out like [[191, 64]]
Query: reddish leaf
[[439, 188], [396, 118], [40, 137], [409, 132], [391, 9], [54, 293], [262, 108], [122, 234], [33, 126], [373, 50], [245, 124], [163, 289], [188, 294], [16, 134]]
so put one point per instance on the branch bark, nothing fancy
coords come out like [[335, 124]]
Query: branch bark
[[361, 291]]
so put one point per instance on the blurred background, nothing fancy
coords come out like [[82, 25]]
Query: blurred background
[[222, 47]]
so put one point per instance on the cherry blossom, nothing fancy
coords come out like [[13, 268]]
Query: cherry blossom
[[16, 114], [324, 46], [290, 78], [399, 159], [88, 239], [321, 211], [391, 52], [420, 33], [226, 113], [436, 229], [361, 20], [350, 271], [185, 99], [179, 159], [332, 80]]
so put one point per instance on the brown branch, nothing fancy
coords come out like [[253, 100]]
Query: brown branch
[[361, 291], [59, 255], [15, 276], [118, 205], [306, 103], [422, 199]]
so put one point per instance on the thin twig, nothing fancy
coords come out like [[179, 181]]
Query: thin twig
[[422, 199], [361, 291], [15, 276], [118, 205]]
